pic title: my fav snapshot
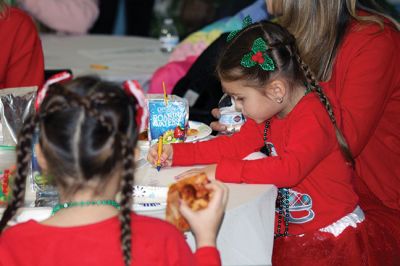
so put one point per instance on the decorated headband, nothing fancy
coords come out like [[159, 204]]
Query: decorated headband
[[133, 88], [258, 56], [245, 23], [59, 77]]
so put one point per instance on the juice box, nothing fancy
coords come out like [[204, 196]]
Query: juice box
[[167, 118]]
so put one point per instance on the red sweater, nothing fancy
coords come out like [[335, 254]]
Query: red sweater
[[21, 55], [154, 242], [309, 162], [366, 80]]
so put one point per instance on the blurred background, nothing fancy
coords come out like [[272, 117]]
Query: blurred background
[[144, 17], [137, 17]]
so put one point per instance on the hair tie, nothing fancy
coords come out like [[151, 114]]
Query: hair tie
[[62, 76], [133, 88]]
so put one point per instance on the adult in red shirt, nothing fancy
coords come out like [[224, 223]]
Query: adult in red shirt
[[361, 58], [21, 55]]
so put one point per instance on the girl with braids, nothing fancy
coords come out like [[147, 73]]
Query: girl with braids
[[21, 55], [88, 132], [318, 220]]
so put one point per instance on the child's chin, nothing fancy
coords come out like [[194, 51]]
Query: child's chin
[[258, 121]]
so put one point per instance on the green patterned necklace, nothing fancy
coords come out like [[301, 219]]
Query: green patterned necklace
[[71, 204]]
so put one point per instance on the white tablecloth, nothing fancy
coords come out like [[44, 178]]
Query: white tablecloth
[[246, 235], [124, 57]]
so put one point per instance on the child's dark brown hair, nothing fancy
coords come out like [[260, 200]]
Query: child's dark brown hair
[[88, 133], [289, 66]]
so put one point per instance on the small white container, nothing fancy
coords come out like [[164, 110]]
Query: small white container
[[230, 117]]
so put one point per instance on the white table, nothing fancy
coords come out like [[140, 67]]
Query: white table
[[124, 57], [246, 234]]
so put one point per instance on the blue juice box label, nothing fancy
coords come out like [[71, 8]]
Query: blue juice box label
[[168, 119]]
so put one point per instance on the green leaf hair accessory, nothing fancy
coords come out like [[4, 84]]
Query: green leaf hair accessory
[[245, 23], [258, 56]]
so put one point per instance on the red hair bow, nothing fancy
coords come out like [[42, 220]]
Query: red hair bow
[[133, 88], [59, 77]]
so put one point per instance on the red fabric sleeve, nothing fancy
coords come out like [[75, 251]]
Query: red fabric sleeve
[[237, 146], [365, 88], [3, 254], [299, 156], [207, 256], [26, 63], [179, 252]]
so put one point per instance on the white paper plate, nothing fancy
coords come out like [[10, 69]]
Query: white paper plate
[[144, 207], [149, 194], [203, 131], [149, 198]]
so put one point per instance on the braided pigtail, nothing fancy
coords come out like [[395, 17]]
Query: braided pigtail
[[126, 199], [91, 101], [344, 147], [24, 155]]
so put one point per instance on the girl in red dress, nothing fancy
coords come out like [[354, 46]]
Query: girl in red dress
[[318, 217], [88, 131]]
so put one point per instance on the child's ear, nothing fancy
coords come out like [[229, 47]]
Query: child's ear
[[276, 90], [40, 158]]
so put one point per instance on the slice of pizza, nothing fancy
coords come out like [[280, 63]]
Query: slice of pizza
[[193, 192]]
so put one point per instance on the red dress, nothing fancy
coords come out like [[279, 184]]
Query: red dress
[[154, 242], [309, 162], [366, 81], [21, 55]]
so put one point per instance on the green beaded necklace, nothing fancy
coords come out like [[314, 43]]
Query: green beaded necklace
[[66, 205]]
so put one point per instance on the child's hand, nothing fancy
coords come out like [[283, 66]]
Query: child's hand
[[166, 155], [217, 126], [209, 170], [205, 223]]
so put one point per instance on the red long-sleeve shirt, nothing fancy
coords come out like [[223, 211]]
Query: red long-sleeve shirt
[[154, 242], [21, 55], [309, 161], [366, 80]]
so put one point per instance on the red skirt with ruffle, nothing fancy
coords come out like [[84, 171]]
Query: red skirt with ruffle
[[375, 241]]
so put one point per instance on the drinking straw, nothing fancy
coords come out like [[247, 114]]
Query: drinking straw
[[165, 94]]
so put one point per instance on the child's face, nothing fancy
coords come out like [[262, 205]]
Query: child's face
[[253, 102]]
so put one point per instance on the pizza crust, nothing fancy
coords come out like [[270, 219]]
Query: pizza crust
[[192, 191]]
